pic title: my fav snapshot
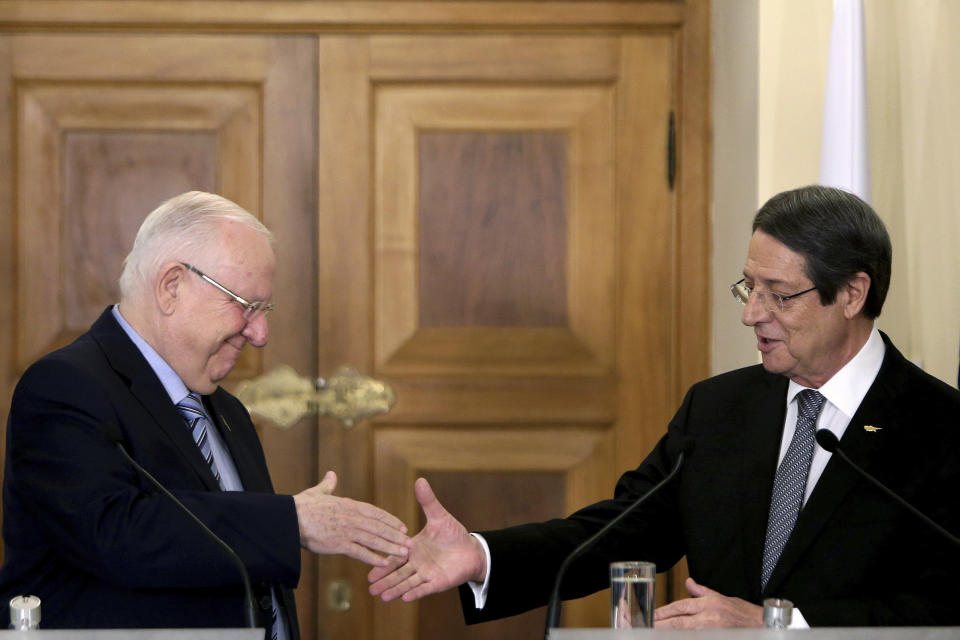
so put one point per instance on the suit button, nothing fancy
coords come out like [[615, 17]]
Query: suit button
[[266, 603]]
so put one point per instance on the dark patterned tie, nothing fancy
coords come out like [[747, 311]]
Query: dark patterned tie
[[791, 481], [192, 410]]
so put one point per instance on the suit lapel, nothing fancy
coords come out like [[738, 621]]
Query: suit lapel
[[235, 430], [879, 407], [146, 388]]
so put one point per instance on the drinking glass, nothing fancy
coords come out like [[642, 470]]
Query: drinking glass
[[632, 594]]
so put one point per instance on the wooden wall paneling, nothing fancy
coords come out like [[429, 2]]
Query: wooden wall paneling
[[50, 111], [647, 251], [585, 113], [344, 284], [8, 376], [402, 454], [38, 316], [502, 196], [649, 285], [136, 57], [236, 115], [506, 364], [523, 496], [693, 91], [130, 166], [339, 16], [323, 110], [289, 208], [493, 400], [503, 58]]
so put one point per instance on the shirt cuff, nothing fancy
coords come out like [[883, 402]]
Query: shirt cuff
[[480, 588]]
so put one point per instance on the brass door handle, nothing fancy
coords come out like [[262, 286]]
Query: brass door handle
[[339, 595], [284, 397]]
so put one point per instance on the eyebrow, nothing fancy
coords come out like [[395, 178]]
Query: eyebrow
[[768, 281]]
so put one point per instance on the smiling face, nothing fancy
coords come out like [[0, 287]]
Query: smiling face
[[808, 342], [202, 328]]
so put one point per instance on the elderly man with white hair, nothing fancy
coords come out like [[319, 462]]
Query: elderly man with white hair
[[85, 531]]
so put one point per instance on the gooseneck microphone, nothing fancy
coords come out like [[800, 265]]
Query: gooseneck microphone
[[553, 608], [112, 434], [829, 442]]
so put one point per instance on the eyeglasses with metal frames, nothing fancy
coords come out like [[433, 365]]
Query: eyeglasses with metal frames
[[249, 308], [769, 300]]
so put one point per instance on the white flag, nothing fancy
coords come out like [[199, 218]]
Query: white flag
[[845, 149]]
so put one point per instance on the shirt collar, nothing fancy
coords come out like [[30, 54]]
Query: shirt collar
[[846, 389], [171, 382]]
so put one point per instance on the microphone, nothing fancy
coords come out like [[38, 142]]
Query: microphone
[[112, 434], [553, 608], [828, 441]]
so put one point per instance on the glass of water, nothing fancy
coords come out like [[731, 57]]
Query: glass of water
[[632, 594], [777, 613]]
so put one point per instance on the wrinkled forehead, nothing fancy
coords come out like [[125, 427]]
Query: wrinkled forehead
[[771, 262], [238, 247]]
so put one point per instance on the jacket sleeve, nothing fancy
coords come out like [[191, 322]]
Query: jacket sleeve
[[525, 559]]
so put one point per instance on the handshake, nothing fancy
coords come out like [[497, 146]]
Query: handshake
[[442, 556]]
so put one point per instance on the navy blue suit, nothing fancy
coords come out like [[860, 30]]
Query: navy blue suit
[[93, 539], [854, 558]]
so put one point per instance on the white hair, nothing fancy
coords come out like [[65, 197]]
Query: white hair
[[184, 228]]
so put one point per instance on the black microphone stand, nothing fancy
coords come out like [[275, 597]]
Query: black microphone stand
[[553, 609], [248, 591], [829, 442]]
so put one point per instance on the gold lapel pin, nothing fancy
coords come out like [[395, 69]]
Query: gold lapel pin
[[871, 428]]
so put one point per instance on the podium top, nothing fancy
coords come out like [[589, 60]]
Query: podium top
[[135, 634], [819, 633]]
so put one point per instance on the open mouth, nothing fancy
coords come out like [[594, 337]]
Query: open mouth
[[765, 344]]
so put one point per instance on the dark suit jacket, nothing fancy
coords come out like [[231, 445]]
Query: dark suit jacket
[[93, 539], [855, 557]]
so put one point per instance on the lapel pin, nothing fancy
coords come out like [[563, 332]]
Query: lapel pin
[[871, 428]]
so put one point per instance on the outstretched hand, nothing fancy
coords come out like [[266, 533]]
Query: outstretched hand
[[443, 555], [330, 524], [707, 609]]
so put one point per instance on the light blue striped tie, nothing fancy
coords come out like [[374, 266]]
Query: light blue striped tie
[[192, 410], [790, 483]]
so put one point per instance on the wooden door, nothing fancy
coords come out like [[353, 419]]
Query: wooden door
[[473, 201], [105, 127], [520, 283]]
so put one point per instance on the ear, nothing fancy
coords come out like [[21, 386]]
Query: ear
[[168, 287], [855, 294]]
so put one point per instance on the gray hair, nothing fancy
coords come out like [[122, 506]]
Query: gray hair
[[185, 228]]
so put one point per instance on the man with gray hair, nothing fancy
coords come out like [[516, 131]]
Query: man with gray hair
[[85, 531]]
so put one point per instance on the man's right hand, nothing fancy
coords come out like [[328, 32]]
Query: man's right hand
[[330, 524], [443, 555]]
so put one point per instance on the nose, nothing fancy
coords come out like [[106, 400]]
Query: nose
[[753, 312], [257, 331]]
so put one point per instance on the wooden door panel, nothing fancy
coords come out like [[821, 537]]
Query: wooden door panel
[[546, 471], [579, 237], [525, 496], [66, 127], [452, 157]]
